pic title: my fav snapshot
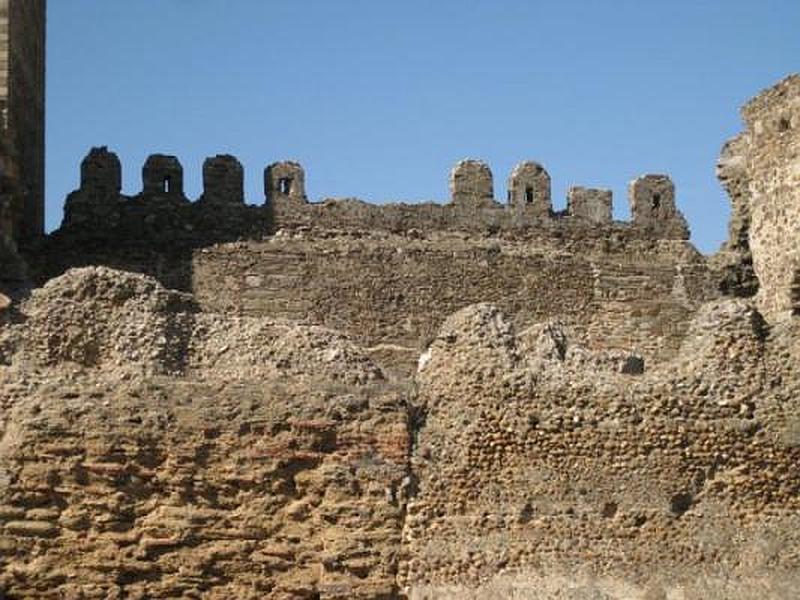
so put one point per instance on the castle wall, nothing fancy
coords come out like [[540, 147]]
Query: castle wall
[[769, 155], [22, 98], [389, 274], [396, 290], [590, 204], [529, 188]]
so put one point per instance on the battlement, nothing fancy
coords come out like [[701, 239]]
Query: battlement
[[472, 205]]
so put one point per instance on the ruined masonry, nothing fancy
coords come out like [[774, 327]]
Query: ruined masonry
[[652, 197], [336, 400], [22, 76]]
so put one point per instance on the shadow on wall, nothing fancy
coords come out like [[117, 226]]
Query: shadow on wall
[[157, 231]]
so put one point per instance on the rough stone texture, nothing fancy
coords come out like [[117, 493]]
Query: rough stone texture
[[590, 204], [149, 451], [652, 199], [397, 289], [22, 100], [101, 173], [101, 183], [735, 260], [529, 188], [471, 184], [285, 180], [355, 401], [766, 157], [540, 475], [162, 175], [223, 180], [11, 196], [387, 274], [152, 450]]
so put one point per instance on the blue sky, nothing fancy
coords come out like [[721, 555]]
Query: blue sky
[[378, 99]]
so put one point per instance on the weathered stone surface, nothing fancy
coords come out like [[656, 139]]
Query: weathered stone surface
[[101, 173], [22, 85], [96, 202], [269, 462], [590, 204], [398, 289], [531, 466], [529, 188], [652, 199], [761, 170], [223, 180], [285, 180], [162, 175], [432, 401], [471, 184]]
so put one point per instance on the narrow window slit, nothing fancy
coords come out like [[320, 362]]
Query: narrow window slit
[[529, 195], [656, 201]]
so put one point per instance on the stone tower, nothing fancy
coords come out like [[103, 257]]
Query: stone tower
[[22, 83]]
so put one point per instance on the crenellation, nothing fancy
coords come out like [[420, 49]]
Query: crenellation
[[162, 175], [95, 203], [652, 200], [592, 205], [471, 184], [529, 188], [429, 400], [472, 208], [223, 180], [285, 180], [101, 173]]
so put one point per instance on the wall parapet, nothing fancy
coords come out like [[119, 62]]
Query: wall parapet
[[98, 203]]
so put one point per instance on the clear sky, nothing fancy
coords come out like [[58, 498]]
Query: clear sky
[[378, 98]]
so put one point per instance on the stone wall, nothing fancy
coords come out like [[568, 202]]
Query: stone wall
[[389, 274], [22, 97], [472, 207], [542, 472], [735, 259], [396, 289], [762, 169], [149, 449], [510, 442]]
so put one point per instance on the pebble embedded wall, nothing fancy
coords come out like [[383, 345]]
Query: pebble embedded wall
[[529, 188], [735, 259], [473, 209], [770, 150], [471, 184], [592, 205]]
